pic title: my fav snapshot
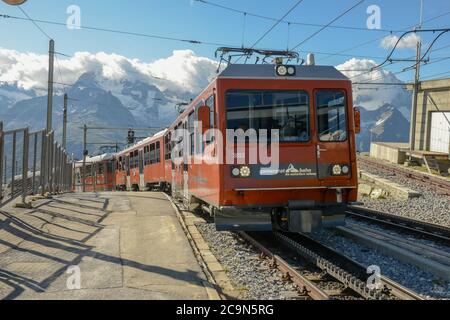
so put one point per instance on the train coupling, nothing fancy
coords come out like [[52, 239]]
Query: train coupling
[[309, 216]]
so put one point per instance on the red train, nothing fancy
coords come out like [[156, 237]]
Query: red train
[[99, 174], [306, 110]]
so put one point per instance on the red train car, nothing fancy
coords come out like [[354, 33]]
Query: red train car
[[142, 166], [99, 174], [316, 178]]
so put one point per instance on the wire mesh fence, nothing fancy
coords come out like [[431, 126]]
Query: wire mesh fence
[[32, 163]]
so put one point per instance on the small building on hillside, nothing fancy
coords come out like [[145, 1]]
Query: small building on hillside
[[430, 132]]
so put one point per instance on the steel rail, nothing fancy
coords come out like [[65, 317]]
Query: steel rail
[[426, 230], [308, 287], [440, 185], [346, 270]]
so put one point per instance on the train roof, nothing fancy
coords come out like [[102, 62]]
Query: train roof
[[267, 71], [96, 159], [144, 142]]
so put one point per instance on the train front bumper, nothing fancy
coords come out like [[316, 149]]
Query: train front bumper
[[300, 216]]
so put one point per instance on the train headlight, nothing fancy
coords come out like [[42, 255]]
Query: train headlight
[[282, 71], [245, 172], [291, 71], [337, 170], [345, 170], [236, 172]]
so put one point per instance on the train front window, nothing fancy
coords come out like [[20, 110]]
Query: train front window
[[285, 111], [332, 116]]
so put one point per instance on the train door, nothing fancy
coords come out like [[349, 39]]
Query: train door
[[185, 166], [333, 147], [141, 170], [127, 160], [177, 165]]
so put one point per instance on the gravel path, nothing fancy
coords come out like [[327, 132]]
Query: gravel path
[[424, 283], [431, 207], [248, 274]]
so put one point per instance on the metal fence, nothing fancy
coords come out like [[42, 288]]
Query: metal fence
[[32, 163]]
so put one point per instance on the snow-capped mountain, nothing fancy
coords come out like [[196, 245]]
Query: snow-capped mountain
[[386, 124], [10, 94]]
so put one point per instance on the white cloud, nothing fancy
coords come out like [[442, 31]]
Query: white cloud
[[408, 42], [184, 71], [374, 96]]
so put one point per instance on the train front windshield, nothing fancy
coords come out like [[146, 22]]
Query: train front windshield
[[285, 111]]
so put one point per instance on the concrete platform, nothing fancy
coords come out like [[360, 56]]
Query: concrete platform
[[393, 189], [125, 246]]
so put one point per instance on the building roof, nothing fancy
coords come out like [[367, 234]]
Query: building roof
[[267, 71]]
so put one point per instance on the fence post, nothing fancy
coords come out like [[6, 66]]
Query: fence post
[[56, 168], [51, 162], [2, 138], [43, 162], [13, 164], [33, 182], [26, 145]]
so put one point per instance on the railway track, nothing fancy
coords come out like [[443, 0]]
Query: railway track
[[433, 232], [441, 186], [350, 275], [349, 272]]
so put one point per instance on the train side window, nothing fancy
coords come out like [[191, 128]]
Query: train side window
[[331, 115], [88, 171], [152, 154], [211, 103], [167, 147], [158, 152], [100, 168], [191, 129]]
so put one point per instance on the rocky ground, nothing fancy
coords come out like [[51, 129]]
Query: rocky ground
[[430, 207], [424, 283], [249, 275]]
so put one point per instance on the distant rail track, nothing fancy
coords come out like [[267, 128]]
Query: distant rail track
[[437, 233], [441, 186]]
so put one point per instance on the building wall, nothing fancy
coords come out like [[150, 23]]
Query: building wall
[[433, 96]]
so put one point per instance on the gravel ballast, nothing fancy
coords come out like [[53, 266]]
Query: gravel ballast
[[248, 274], [424, 283], [430, 207]]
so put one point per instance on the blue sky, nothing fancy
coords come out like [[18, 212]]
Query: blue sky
[[192, 20]]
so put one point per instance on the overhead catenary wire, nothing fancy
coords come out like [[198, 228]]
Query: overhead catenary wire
[[277, 23], [388, 33], [389, 57], [130, 33], [327, 25], [289, 22]]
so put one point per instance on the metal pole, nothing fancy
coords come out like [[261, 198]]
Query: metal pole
[[415, 99], [1, 160], [26, 145], [13, 163], [94, 175], [114, 173], [5, 169], [33, 183], [85, 152], [63, 171], [56, 168], [51, 58], [64, 140]]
